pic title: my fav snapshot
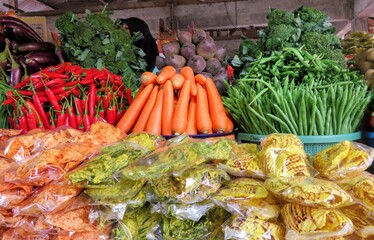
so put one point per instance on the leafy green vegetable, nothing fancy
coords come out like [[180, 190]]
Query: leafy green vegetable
[[98, 41], [205, 228], [138, 224], [102, 168], [305, 26]]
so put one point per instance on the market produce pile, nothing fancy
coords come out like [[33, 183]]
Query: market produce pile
[[96, 41], [22, 52], [292, 87], [66, 94], [141, 186], [172, 103], [198, 50], [357, 43]]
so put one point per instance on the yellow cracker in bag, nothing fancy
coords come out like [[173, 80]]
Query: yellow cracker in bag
[[345, 159], [303, 222], [282, 141], [252, 228], [309, 191], [364, 226]]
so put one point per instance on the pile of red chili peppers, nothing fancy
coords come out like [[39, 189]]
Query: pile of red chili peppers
[[67, 95]]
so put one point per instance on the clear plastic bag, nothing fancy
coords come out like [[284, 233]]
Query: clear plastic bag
[[190, 186], [364, 226], [51, 164], [244, 162], [240, 228], [182, 211], [247, 197], [343, 160], [12, 194], [208, 226], [178, 157], [54, 196], [303, 222], [138, 224], [114, 157], [309, 191], [362, 190], [283, 155]]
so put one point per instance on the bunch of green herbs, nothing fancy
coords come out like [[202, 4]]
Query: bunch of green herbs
[[97, 41]]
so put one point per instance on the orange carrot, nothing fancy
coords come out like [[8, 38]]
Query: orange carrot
[[155, 118], [139, 90], [166, 73], [188, 73], [191, 118], [230, 125], [144, 115], [147, 78], [216, 109], [177, 81], [179, 121], [167, 108], [200, 78], [128, 119], [203, 121]]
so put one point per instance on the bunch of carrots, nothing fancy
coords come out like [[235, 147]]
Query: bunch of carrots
[[67, 95], [173, 103]]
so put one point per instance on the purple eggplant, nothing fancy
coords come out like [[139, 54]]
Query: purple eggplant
[[15, 75], [8, 19], [35, 46], [19, 33]]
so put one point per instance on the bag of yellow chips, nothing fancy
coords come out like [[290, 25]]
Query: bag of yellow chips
[[344, 159], [364, 226], [309, 191], [309, 223], [244, 162], [362, 190], [283, 155], [247, 197], [240, 228]]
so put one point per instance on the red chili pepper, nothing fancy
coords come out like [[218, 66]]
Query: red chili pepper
[[111, 115], [8, 101], [16, 124], [25, 92], [57, 82], [60, 89], [52, 98], [72, 83], [78, 106], [11, 122], [33, 113], [72, 117], [23, 83], [86, 122], [83, 102], [102, 113], [23, 123], [128, 96], [40, 110], [59, 68], [91, 102], [61, 119], [119, 114], [53, 118], [87, 80], [105, 102], [50, 75]]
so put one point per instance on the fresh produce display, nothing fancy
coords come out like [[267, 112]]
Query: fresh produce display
[[66, 94], [364, 63], [197, 50], [292, 91], [96, 41], [198, 106], [357, 43], [305, 26], [80, 196], [22, 52]]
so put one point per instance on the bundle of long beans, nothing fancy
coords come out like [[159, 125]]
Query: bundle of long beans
[[295, 92]]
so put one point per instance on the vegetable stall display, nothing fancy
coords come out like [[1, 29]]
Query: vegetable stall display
[[143, 186], [173, 103], [66, 94], [296, 83]]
